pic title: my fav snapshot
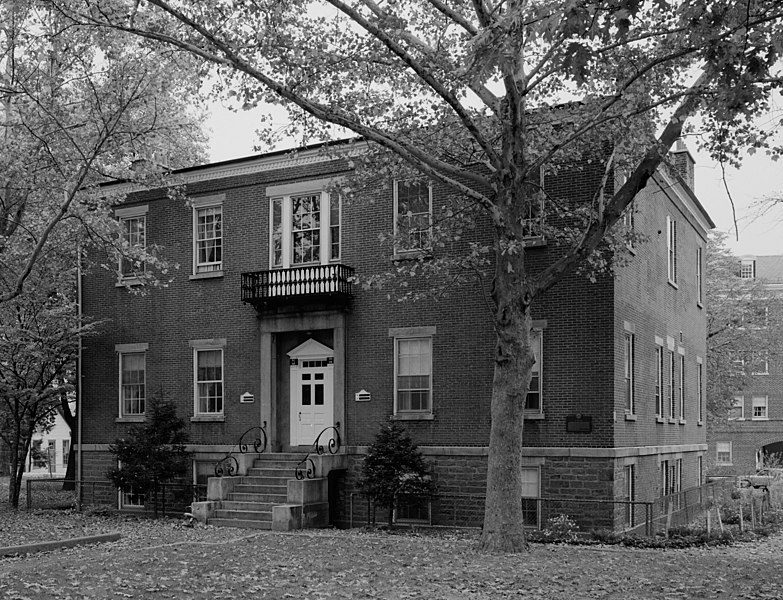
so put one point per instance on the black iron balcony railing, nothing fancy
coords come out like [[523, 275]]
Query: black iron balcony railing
[[304, 285]]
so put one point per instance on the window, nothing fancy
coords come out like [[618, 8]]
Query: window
[[533, 403], [760, 407], [672, 380], [671, 246], [671, 477], [209, 381], [413, 375], [699, 276], [208, 236], [760, 364], [413, 215], [133, 367], [131, 499], [659, 412], [133, 236], [748, 268], [723, 453], [530, 494], [629, 225], [700, 388], [66, 451], [305, 225], [737, 409], [133, 231], [629, 495], [628, 347], [682, 387]]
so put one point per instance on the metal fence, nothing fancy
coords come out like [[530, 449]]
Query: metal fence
[[171, 499], [587, 514]]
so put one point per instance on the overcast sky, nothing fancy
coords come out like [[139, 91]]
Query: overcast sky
[[233, 136]]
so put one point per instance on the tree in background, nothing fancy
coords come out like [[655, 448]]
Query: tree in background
[[153, 453], [482, 96], [394, 469], [39, 337], [77, 107], [744, 328]]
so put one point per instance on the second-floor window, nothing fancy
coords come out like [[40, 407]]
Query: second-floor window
[[208, 238], [533, 402], [412, 215], [413, 375], [672, 385], [671, 247], [305, 229], [760, 407], [659, 381], [133, 236], [629, 371], [737, 409], [209, 381]]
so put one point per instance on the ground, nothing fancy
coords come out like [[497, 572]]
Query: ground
[[166, 559]]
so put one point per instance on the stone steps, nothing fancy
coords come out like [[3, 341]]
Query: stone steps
[[249, 504]]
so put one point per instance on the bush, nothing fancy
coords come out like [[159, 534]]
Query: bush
[[394, 467]]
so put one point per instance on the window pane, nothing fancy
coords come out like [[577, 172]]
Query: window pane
[[209, 376], [413, 374], [209, 239], [133, 383], [306, 228]]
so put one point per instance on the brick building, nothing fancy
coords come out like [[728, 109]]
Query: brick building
[[755, 422], [262, 326]]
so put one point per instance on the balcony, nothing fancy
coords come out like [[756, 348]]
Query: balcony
[[303, 288]]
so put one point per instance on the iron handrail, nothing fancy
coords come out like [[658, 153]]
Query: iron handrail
[[305, 469], [229, 465]]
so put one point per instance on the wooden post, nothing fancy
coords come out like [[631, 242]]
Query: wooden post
[[709, 522], [720, 521], [669, 517], [753, 512], [741, 516]]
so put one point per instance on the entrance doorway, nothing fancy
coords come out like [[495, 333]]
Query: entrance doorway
[[311, 391]]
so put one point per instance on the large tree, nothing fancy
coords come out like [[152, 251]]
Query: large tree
[[479, 95], [77, 107]]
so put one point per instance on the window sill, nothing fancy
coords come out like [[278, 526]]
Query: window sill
[[207, 275], [208, 419], [631, 249], [413, 417], [630, 417], [760, 419], [401, 255], [135, 419], [672, 420], [673, 284], [700, 305], [129, 282], [534, 416], [660, 420], [534, 242], [683, 421], [700, 423]]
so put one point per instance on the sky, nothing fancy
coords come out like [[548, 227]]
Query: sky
[[233, 136]]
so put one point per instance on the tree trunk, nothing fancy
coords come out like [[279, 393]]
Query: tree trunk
[[70, 419], [503, 518]]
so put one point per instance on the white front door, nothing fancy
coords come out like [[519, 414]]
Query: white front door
[[312, 393]]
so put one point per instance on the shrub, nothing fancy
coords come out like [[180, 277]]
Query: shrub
[[394, 467]]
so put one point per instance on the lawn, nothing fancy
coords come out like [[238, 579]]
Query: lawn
[[166, 559]]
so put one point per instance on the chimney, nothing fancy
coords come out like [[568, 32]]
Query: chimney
[[683, 163]]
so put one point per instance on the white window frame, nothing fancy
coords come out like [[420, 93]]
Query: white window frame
[[531, 500], [629, 223], [737, 402], [699, 276], [284, 195], [199, 346], [537, 340], [424, 247], [724, 448], [215, 267], [629, 343], [428, 411], [671, 249], [681, 384], [130, 500], [761, 361], [124, 216], [123, 350], [747, 268], [760, 402], [659, 380], [672, 384], [700, 388]]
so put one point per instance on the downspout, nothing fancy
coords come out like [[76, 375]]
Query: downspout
[[79, 380]]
